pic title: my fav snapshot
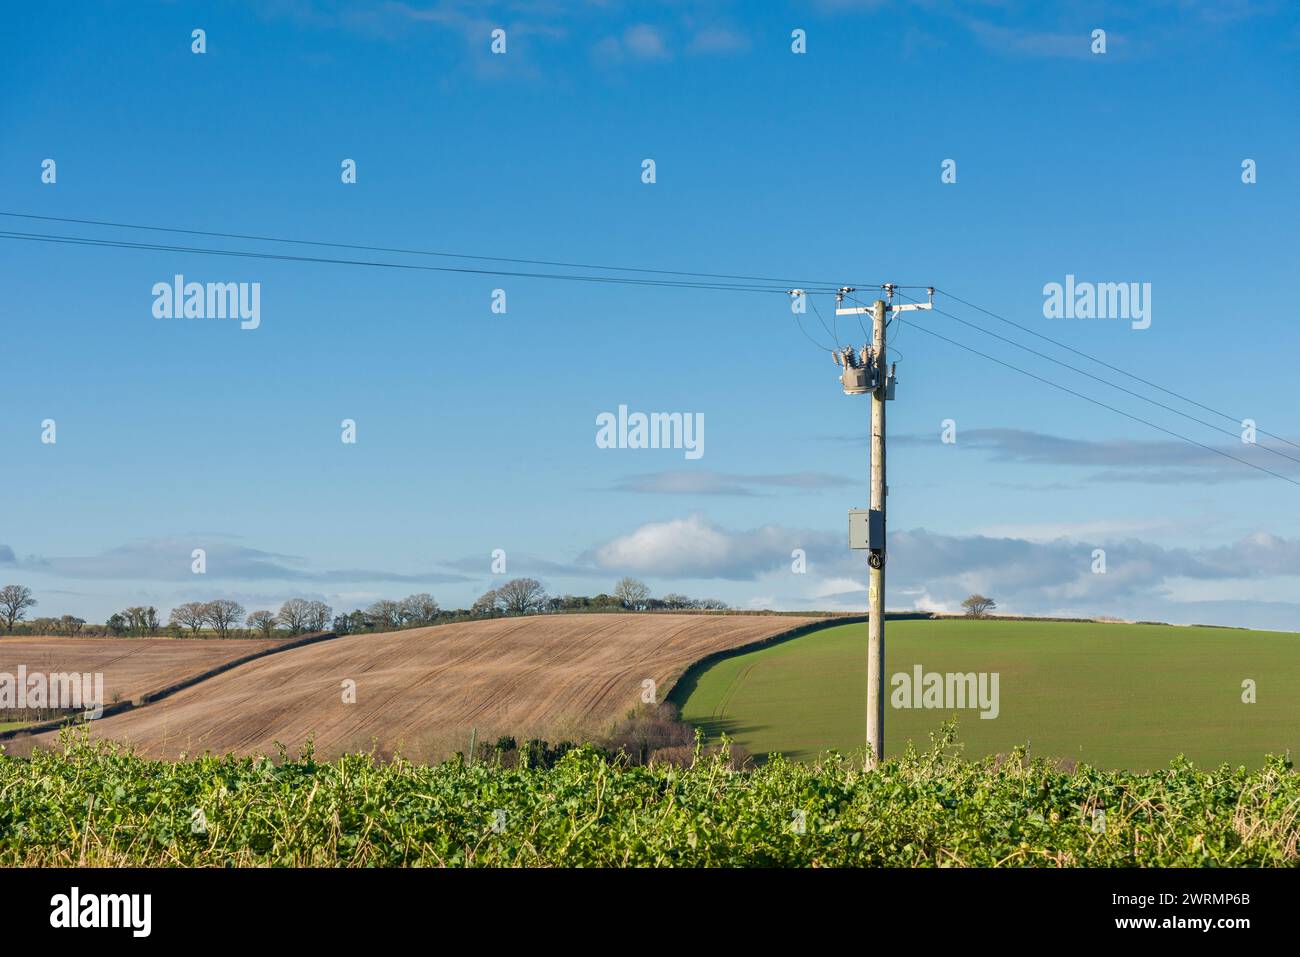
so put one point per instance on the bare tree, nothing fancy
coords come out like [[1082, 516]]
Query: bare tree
[[675, 600], [222, 613], [487, 603], [293, 615], [419, 609], [709, 604], [632, 592], [519, 596], [190, 615], [977, 606], [318, 615], [70, 624], [14, 602], [263, 621], [385, 614]]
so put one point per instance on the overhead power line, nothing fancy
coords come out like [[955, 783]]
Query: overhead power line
[[1113, 385], [425, 252], [920, 327], [252, 254], [724, 282], [1113, 368]]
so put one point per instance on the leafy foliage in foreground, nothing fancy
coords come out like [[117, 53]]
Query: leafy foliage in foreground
[[98, 805]]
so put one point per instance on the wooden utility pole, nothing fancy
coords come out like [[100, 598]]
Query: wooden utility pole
[[876, 589], [862, 373]]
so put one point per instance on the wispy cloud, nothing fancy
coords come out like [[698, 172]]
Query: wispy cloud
[[517, 563], [1154, 461], [686, 482], [160, 560], [719, 40], [640, 41], [1072, 45]]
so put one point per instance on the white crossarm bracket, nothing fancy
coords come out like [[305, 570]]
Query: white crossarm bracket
[[866, 310]]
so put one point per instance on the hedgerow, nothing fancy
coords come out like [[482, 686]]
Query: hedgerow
[[98, 804]]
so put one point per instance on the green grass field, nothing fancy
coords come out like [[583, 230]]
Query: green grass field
[[1117, 696], [7, 725]]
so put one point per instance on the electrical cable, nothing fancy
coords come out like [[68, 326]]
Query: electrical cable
[[617, 280], [1126, 391], [1055, 385], [418, 252], [1113, 368]]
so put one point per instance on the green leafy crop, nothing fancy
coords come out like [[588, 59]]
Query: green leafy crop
[[97, 804]]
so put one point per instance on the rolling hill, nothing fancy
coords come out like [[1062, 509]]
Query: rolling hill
[[421, 691], [1114, 695], [130, 666]]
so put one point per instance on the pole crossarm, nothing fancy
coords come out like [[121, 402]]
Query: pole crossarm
[[890, 306]]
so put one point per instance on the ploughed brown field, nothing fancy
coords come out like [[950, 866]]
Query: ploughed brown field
[[130, 666], [421, 691]]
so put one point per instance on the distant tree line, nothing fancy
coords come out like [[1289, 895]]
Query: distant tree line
[[413, 611], [526, 596], [518, 596], [223, 617]]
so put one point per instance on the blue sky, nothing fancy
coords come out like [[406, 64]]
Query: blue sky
[[476, 430]]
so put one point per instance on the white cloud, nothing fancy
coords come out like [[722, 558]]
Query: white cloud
[[645, 42], [828, 587], [695, 548], [638, 42], [935, 572], [719, 40]]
